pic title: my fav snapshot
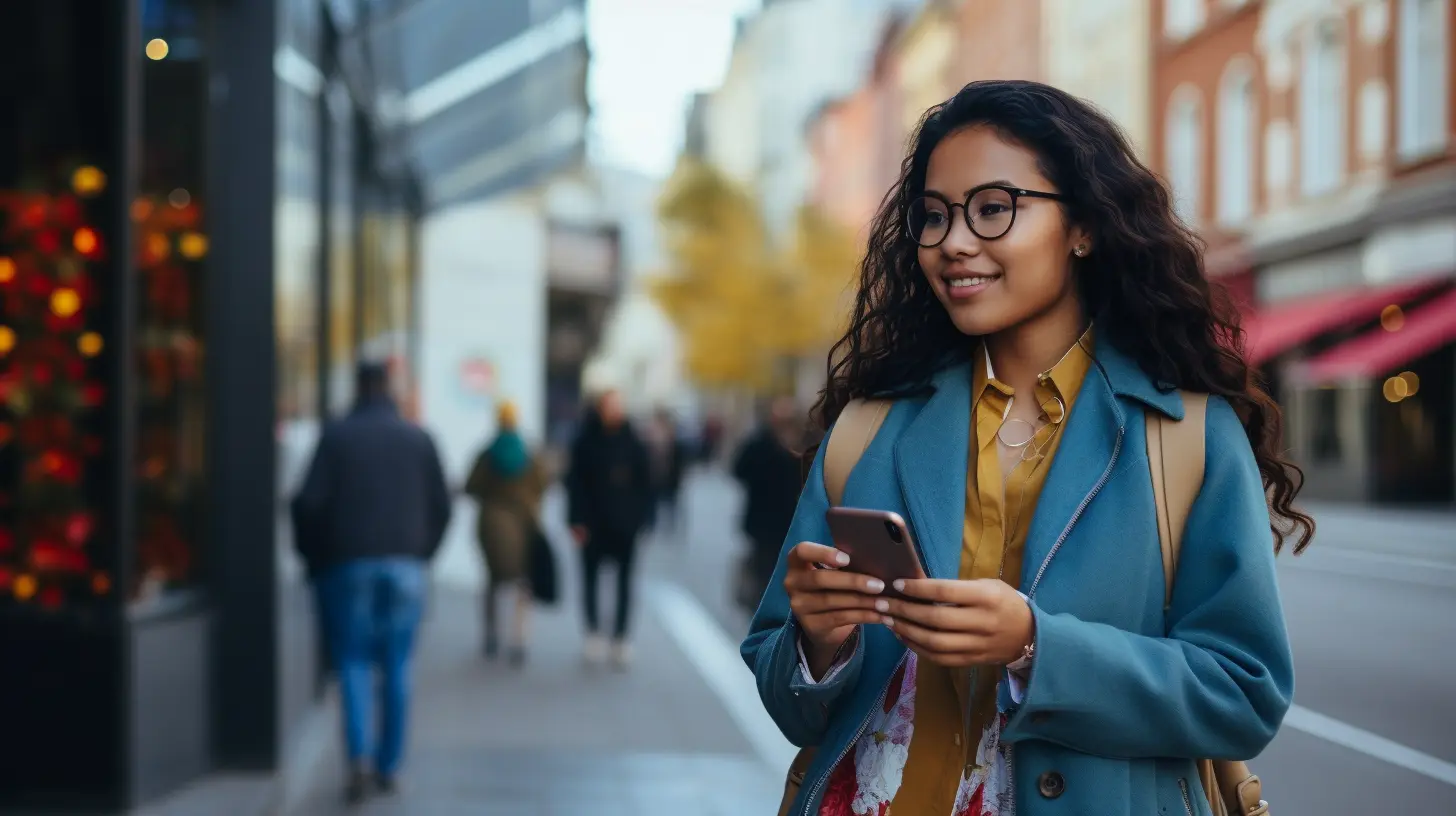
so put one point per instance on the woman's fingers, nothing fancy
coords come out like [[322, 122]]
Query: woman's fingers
[[832, 581], [966, 620], [810, 603], [809, 554], [931, 640]]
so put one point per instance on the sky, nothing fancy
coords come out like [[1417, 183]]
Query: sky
[[648, 58]]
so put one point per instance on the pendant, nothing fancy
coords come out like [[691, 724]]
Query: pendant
[[1029, 433]]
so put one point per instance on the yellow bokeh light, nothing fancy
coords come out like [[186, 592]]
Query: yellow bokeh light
[[193, 245], [86, 240], [7, 340], [1412, 382], [90, 344], [1395, 389], [157, 49], [179, 198], [7, 270], [88, 181], [1392, 318], [65, 302], [24, 587]]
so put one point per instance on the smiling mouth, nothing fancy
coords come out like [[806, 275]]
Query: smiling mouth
[[970, 282]]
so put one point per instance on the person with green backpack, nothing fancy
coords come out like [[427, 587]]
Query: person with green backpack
[[1040, 380]]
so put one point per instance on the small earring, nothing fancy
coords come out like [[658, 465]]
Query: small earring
[[1080, 250]]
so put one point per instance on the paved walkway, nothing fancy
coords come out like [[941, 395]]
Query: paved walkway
[[558, 738]]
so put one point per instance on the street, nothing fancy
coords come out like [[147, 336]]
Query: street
[[1374, 729]]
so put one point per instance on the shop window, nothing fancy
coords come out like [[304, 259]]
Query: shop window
[[1182, 18], [1425, 76], [58, 222], [1324, 427], [169, 218]]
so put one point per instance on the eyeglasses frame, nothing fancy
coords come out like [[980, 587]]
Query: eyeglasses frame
[[1016, 194]]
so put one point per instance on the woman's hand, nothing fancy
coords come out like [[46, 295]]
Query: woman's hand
[[827, 601], [961, 623]]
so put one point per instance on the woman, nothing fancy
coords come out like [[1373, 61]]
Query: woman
[[1026, 295], [507, 482]]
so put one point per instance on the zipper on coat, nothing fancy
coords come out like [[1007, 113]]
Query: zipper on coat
[[1187, 800], [854, 740], [1086, 500]]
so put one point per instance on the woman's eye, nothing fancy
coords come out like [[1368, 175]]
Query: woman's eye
[[934, 218], [993, 209]]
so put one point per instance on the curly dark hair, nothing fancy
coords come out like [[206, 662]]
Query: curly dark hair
[[1144, 285]]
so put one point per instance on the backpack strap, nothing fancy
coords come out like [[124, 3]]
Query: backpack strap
[[1175, 457], [848, 440]]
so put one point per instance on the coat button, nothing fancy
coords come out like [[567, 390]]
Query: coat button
[[1051, 784]]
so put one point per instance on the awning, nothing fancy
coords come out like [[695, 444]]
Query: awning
[[1279, 328], [1378, 351]]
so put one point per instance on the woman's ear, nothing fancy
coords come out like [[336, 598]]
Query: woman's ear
[[1079, 243]]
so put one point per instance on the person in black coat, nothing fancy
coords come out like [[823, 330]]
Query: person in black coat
[[372, 511], [770, 472], [610, 501]]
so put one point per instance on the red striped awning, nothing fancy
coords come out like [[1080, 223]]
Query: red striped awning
[[1279, 328], [1379, 351]]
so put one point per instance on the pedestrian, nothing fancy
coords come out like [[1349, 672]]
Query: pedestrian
[[1027, 294], [767, 467], [609, 496], [371, 514], [507, 482], [669, 460]]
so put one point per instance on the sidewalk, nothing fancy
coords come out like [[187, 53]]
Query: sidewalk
[[559, 738]]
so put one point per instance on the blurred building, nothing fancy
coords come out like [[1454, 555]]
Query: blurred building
[[1099, 52], [1313, 143], [208, 213]]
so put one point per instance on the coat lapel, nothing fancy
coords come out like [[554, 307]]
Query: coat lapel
[[931, 457]]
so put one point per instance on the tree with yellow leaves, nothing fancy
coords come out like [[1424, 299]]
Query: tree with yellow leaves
[[747, 310]]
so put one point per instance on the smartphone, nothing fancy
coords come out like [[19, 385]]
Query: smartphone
[[878, 544]]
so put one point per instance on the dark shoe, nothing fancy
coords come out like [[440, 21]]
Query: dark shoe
[[386, 785], [357, 790]]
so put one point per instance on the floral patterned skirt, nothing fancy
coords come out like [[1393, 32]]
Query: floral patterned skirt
[[865, 781]]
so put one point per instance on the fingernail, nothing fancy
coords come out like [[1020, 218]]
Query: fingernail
[[882, 605], [899, 585], [841, 558], [875, 585], [888, 621]]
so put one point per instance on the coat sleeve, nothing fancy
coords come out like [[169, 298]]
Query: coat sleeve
[[311, 504], [437, 496], [1219, 684], [578, 500], [801, 708]]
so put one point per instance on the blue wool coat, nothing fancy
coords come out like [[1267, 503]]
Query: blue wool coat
[[1122, 696]]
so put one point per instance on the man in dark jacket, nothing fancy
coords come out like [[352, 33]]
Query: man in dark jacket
[[372, 511], [610, 500], [769, 471]]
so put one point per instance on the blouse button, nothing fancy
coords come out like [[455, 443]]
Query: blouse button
[[1051, 785]]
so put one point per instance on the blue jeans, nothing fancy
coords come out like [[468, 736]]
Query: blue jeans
[[371, 609]]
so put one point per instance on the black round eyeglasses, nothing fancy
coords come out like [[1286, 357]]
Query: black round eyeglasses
[[989, 211]]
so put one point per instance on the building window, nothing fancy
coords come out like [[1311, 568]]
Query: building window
[[1278, 158], [1182, 18], [1322, 110], [1425, 76], [1185, 152], [1324, 427], [1236, 116]]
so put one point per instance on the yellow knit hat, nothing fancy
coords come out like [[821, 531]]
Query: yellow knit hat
[[505, 414]]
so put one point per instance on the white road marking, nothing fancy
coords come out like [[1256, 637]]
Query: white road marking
[[715, 656], [1370, 744]]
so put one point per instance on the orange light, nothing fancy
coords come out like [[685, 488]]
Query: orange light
[[100, 583], [88, 181], [50, 461], [7, 340], [158, 49], [1395, 390], [193, 245], [24, 587], [90, 344], [141, 209], [86, 240], [65, 302], [1392, 318], [1412, 382], [158, 247], [7, 270]]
